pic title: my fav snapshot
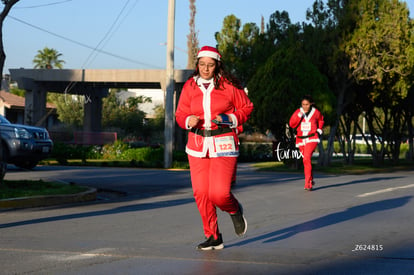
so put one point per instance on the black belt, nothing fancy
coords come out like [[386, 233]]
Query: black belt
[[311, 135], [210, 133]]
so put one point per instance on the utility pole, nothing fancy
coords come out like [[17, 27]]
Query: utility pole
[[169, 90]]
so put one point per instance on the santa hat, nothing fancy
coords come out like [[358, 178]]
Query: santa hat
[[208, 51]]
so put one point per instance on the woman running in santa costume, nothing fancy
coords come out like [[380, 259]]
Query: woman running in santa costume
[[212, 106], [309, 123]]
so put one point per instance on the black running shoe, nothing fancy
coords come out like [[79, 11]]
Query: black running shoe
[[211, 244], [239, 222]]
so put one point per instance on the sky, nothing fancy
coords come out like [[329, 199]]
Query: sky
[[124, 34]]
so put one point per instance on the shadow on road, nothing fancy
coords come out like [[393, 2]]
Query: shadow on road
[[355, 182], [122, 209], [334, 218]]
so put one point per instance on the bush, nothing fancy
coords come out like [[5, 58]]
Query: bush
[[62, 152], [252, 151], [94, 152], [404, 150], [123, 154], [114, 151], [143, 154], [180, 156]]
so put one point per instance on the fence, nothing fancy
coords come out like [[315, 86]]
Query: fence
[[94, 138]]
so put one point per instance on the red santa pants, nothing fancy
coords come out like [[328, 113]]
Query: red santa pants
[[307, 151], [211, 180]]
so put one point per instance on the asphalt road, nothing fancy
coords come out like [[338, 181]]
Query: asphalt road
[[350, 224]]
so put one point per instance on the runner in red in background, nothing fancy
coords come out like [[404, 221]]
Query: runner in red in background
[[309, 123]]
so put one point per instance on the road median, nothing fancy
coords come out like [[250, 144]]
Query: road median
[[49, 200]]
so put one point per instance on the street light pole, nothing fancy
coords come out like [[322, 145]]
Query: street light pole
[[169, 90]]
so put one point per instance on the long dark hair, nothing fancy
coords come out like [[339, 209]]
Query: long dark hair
[[308, 98], [311, 101], [220, 76]]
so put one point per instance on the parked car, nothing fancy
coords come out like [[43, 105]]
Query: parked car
[[359, 139], [23, 145]]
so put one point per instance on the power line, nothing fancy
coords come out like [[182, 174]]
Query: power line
[[106, 35], [84, 45], [126, 15], [43, 5]]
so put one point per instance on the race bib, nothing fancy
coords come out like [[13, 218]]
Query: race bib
[[305, 126], [225, 146]]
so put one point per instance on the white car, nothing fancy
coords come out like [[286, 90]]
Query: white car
[[359, 139]]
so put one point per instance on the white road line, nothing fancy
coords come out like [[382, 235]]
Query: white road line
[[385, 190], [73, 256]]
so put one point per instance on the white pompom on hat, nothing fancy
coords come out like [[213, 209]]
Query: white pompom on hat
[[208, 51]]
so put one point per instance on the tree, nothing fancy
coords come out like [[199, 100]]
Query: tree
[[324, 37], [125, 116], [192, 38], [48, 58], [8, 4], [378, 49], [69, 108], [159, 118], [277, 87], [236, 45], [363, 48], [275, 67], [380, 53], [228, 40], [278, 27]]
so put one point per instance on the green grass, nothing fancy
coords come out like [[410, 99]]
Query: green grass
[[27, 188], [361, 166], [117, 163]]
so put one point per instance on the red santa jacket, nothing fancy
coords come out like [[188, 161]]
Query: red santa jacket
[[207, 103], [309, 127]]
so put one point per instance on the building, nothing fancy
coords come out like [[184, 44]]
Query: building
[[12, 107], [156, 96]]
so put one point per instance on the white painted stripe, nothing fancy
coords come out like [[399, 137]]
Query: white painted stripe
[[76, 256], [385, 190]]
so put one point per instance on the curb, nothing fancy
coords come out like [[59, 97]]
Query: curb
[[36, 201]]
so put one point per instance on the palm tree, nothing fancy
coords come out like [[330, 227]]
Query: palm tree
[[48, 58]]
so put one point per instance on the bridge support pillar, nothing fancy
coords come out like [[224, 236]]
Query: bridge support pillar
[[92, 118], [35, 103]]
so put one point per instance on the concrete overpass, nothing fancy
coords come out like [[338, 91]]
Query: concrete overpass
[[93, 84]]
